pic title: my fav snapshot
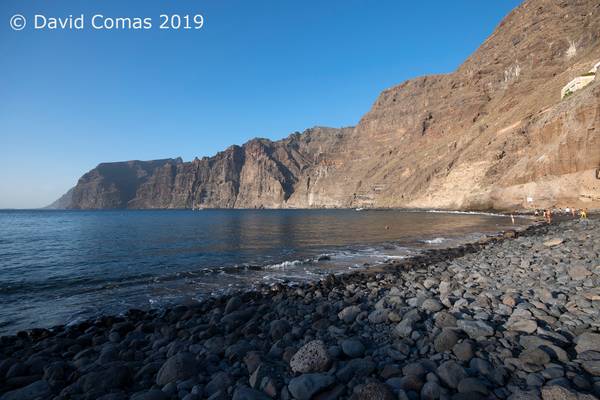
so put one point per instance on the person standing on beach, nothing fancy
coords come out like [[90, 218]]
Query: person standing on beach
[[548, 216], [583, 213]]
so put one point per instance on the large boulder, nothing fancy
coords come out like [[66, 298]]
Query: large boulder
[[113, 376], [349, 314], [475, 329], [473, 385], [278, 328], [578, 272], [534, 359], [405, 328], [219, 381], [379, 316], [432, 305], [587, 341], [556, 392], [178, 367], [445, 340], [234, 319], [521, 321], [306, 386], [451, 374], [444, 319], [431, 391], [374, 391], [592, 367], [312, 357], [36, 390], [356, 367], [353, 348], [153, 394], [245, 393]]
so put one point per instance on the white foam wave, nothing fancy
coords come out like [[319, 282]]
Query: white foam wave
[[287, 264], [392, 257], [437, 240], [465, 212]]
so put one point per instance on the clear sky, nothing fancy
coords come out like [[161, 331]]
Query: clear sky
[[71, 99]]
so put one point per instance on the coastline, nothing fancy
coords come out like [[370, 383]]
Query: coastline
[[202, 255], [389, 330], [424, 256]]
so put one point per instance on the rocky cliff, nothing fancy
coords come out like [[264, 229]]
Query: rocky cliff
[[114, 185], [65, 201], [494, 134]]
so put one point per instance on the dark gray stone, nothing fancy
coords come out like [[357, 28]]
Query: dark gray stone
[[451, 374], [463, 351], [587, 341], [445, 340], [36, 390], [306, 386], [475, 329], [245, 393], [353, 348], [178, 367]]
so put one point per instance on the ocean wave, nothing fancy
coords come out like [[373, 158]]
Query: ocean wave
[[437, 240], [464, 212], [287, 264], [320, 264], [395, 257]]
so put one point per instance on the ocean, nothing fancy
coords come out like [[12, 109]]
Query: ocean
[[60, 267]]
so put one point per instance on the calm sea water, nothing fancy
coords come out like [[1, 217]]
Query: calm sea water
[[62, 266]]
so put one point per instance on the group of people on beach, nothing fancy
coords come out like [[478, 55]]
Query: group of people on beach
[[549, 213]]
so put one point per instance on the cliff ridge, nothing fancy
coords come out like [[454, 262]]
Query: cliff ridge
[[494, 134]]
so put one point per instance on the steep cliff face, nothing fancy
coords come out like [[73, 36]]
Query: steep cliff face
[[493, 134], [63, 202], [114, 185], [261, 173]]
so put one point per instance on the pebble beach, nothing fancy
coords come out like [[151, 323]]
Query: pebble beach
[[516, 317]]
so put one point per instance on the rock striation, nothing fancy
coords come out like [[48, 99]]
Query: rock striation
[[494, 134]]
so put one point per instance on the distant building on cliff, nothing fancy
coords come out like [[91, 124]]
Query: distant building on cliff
[[580, 82]]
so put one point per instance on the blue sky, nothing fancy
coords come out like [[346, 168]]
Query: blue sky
[[72, 99]]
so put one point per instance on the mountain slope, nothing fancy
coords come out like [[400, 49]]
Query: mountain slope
[[65, 201], [114, 185], [493, 134]]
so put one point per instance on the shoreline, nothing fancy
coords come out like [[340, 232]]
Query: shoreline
[[419, 248], [176, 268], [497, 212], [240, 327]]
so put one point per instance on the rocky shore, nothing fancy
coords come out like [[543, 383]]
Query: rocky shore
[[515, 318]]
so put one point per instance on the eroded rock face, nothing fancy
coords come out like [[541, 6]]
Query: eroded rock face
[[490, 135], [114, 185]]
